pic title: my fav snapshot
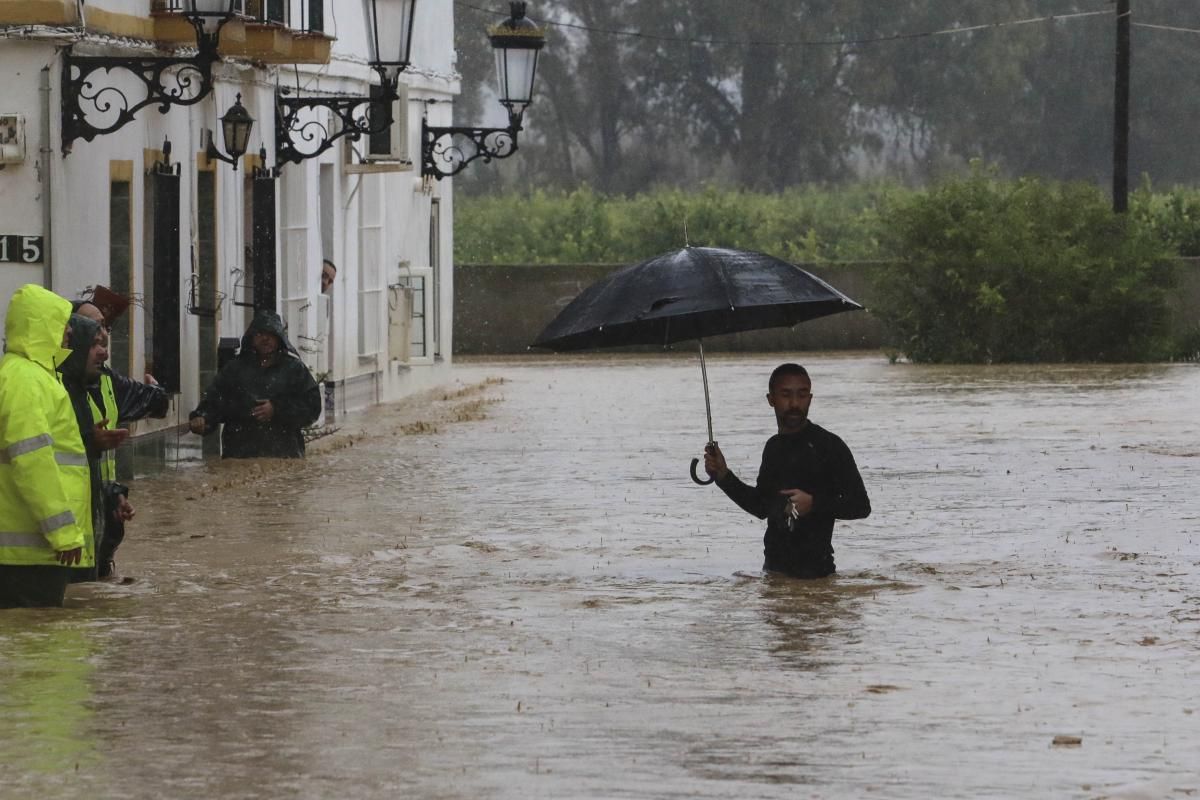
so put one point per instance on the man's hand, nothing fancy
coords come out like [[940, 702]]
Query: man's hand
[[124, 511], [149, 380], [714, 462], [106, 439], [799, 500], [197, 425], [69, 558], [263, 411]]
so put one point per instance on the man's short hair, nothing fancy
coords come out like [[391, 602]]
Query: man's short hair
[[782, 371], [330, 263]]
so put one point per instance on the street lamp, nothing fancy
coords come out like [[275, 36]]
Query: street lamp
[[302, 133], [390, 28], [208, 17], [94, 102], [235, 130], [517, 42]]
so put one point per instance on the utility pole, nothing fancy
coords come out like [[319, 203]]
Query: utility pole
[[1121, 112]]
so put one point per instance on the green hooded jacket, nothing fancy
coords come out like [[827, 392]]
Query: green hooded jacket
[[45, 488]]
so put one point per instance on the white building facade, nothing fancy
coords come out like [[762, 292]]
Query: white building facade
[[145, 211]]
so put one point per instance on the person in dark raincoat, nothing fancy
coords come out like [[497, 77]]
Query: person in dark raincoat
[[88, 343], [116, 401], [265, 397]]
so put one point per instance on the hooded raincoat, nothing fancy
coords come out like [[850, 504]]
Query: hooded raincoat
[[244, 381], [45, 483], [76, 382]]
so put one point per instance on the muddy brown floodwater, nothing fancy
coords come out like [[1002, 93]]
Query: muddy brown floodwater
[[514, 590]]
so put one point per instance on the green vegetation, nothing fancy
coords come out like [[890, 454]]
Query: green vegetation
[[979, 268], [1022, 270], [809, 224]]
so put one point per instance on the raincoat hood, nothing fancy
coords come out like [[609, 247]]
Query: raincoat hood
[[83, 335], [34, 325], [266, 322]]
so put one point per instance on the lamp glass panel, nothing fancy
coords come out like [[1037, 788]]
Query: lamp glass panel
[[515, 69], [210, 12], [391, 22], [236, 130]]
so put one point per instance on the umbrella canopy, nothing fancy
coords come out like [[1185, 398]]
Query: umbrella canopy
[[691, 293]]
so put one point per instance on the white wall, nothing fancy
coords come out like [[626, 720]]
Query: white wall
[[399, 200]]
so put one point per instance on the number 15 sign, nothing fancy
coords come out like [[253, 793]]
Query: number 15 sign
[[18, 249]]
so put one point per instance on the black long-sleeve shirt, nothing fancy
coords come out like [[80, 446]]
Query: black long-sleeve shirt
[[820, 463]]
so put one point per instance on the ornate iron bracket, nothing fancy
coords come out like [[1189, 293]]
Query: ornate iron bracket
[[100, 94], [301, 133], [448, 151]]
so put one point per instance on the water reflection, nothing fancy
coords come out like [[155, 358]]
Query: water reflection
[[46, 701], [517, 591]]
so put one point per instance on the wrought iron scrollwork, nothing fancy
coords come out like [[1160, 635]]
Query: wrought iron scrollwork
[[448, 151], [301, 132], [101, 94]]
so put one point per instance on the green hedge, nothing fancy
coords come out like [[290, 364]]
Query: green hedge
[[984, 269], [1022, 270], [584, 227]]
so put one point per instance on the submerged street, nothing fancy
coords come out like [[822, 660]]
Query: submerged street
[[513, 589]]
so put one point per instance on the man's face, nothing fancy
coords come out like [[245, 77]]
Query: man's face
[[328, 273], [265, 343], [97, 355], [791, 398]]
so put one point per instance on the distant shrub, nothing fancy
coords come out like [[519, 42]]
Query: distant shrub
[[1023, 270], [804, 224], [1172, 216], [980, 269]]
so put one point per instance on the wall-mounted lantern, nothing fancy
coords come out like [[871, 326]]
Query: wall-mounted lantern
[[517, 42], [302, 131], [235, 130], [95, 99]]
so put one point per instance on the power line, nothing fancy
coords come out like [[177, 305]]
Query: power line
[[1165, 27], [800, 42]]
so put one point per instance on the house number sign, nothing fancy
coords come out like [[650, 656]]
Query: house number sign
[[18, 249]]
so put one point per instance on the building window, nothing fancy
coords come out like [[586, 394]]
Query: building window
[[120, 260], [435, 265], [316, 16], [160, 276], [268, 10], [418, 280], [204, 290], [370, 267], [297, 252]]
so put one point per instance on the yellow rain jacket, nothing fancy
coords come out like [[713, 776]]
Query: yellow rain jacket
[[45, 486]]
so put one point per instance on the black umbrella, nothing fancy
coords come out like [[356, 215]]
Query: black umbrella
[[690, 294]]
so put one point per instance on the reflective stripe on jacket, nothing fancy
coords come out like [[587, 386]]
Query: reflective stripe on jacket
[[108, 458], [45, 485]]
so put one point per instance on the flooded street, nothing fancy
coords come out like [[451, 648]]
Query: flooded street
[[515, 590]]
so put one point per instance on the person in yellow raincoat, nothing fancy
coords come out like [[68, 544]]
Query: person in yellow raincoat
[[45, 485]]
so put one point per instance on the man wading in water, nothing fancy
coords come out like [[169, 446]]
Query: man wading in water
[[807, 480], [265, 396]]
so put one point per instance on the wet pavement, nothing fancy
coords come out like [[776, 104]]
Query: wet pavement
[[514, 590]]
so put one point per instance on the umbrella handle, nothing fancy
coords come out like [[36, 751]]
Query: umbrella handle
[[695, 477]]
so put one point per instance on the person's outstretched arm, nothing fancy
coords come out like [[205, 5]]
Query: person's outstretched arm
[[752, 499]]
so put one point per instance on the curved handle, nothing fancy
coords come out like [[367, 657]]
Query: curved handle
[[696, 463]]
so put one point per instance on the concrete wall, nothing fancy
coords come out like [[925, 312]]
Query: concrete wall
[[502, 308]]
